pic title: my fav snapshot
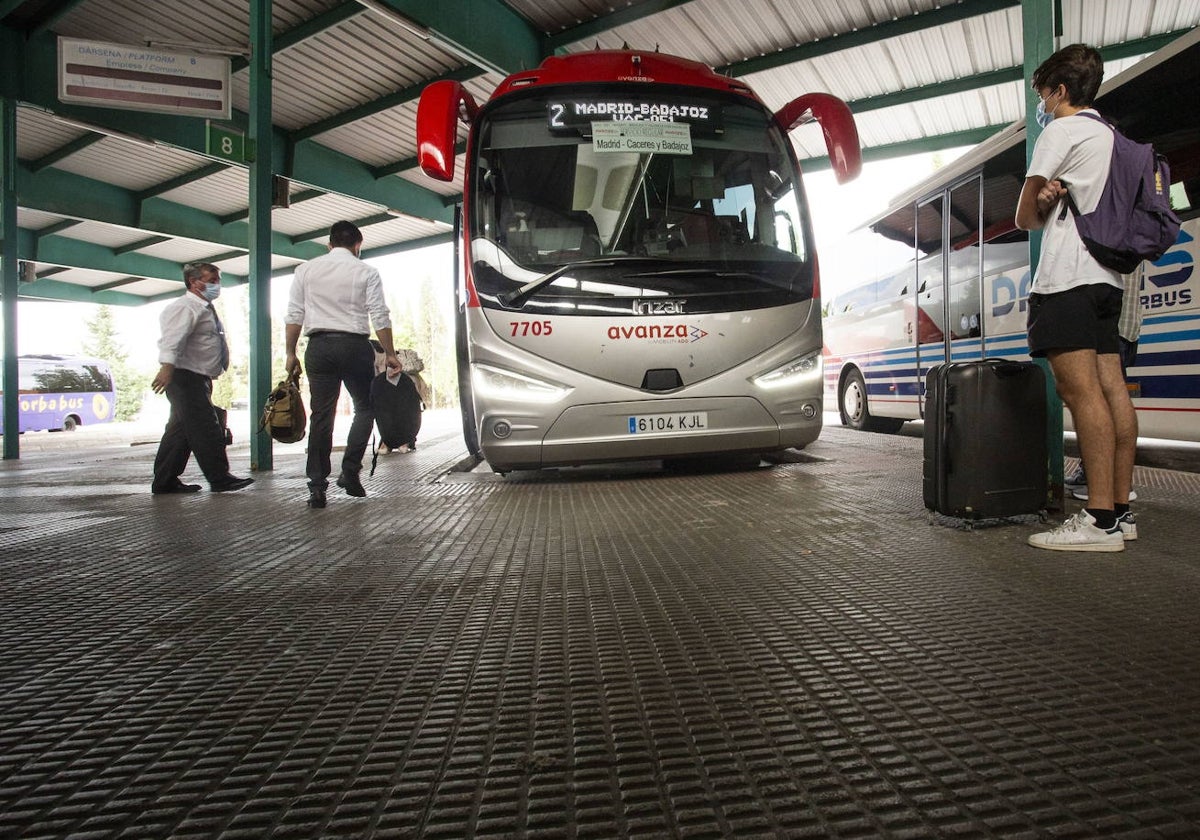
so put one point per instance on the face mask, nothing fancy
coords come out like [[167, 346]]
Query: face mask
[[1043, 117], [211, 291]]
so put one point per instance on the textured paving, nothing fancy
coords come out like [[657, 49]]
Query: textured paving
[[796, 651]]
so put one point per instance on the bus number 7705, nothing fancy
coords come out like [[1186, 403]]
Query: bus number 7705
[[524, 328]]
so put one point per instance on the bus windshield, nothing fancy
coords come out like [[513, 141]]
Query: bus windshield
[[573, 206]]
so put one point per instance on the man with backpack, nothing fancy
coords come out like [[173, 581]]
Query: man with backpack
[[1075, 301]]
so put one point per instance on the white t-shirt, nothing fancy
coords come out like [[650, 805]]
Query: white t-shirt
[[1076, 150]]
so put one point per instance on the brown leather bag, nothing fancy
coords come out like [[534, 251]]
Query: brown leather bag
[[283, 416]]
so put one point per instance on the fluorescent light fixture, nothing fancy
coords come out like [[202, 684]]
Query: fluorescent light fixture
[[395, 17], [108, 132], [207, 49]]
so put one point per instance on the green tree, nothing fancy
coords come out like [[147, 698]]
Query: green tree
[[130, 382]]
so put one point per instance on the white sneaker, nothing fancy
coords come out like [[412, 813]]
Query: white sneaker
[[1079, 533], [1127, 522], [1080, 491]]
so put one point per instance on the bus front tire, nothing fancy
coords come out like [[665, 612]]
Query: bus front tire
[[852, 405]]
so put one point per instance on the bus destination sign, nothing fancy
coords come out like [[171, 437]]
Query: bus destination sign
[[583, 113]]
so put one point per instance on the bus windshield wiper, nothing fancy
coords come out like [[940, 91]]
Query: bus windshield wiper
[[517, 297]]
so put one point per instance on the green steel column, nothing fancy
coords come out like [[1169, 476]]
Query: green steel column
[[1039, 23], [261, 171], [8, 267]]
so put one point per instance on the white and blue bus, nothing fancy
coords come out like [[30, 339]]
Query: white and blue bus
[[60, 393], [960, 290]]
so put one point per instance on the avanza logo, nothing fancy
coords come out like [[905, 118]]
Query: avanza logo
[[662, 333], [658, 307]]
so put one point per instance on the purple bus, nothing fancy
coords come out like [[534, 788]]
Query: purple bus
[[60, 393]]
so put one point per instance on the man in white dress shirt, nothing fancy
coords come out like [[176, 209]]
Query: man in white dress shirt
[[335, 299], [192, 352]]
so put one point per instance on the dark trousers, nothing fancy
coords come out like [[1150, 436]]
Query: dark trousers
[[331, 360], [192, 428]]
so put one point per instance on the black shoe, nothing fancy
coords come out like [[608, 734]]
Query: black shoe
[[316, 497], [231, 483], [177, 487], [350, 483]]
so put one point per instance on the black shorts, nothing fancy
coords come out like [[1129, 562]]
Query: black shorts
[[1083, 318]]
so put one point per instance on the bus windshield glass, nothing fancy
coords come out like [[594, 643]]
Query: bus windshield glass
[[582, 201]]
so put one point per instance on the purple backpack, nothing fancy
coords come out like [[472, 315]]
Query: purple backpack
[[1134, 220]]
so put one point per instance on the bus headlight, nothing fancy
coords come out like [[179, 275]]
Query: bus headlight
[[807, 368], [508, 385]]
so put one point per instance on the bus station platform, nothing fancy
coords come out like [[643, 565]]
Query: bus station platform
[[798, 650]]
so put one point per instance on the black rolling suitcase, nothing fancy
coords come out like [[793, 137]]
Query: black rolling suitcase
[[985, 439]]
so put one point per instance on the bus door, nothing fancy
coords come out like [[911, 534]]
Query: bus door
[[964, 279], [924, 327], [947, 308]]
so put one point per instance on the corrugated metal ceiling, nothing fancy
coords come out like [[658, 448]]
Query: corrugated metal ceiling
[[345, 88]]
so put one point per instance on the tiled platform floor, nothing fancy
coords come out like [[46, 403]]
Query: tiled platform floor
[[787, 652]]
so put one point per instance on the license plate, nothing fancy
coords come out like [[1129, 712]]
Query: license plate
[[686, 421]]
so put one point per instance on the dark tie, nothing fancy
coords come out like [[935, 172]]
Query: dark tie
[[224, 343]]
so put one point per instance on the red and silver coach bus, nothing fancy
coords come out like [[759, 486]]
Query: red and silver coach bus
[[639, 278]]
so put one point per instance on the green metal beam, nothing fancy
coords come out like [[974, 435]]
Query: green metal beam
[[50, 272], [309, 29], [262, 184], [140, 244], [953, 140], [483, 32], [57, 290], [181, 180], [75, 253], [605, 23], [51, 14], [9, 279], [226, 255], [410, 245], [366, 221], [7, 7], [407, 164], [384, 103], [57, 227], [295, 198], [67, 194], [115, 284], [66, 150], [961, 10]]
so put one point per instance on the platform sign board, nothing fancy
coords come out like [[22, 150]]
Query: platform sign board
[[226, 144], [143, 79]]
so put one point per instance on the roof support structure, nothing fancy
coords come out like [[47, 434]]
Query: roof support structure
[[66, 194], [66, 150], [8, 272], [309, 29], [483, 32], [1039, 28], [384, 103], [181, 180], [312, 164], [261, 183], [606, 23], [961, 10], [50, 13]]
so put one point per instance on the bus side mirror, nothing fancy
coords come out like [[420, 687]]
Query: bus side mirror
[[837, 123], [442, 105]]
